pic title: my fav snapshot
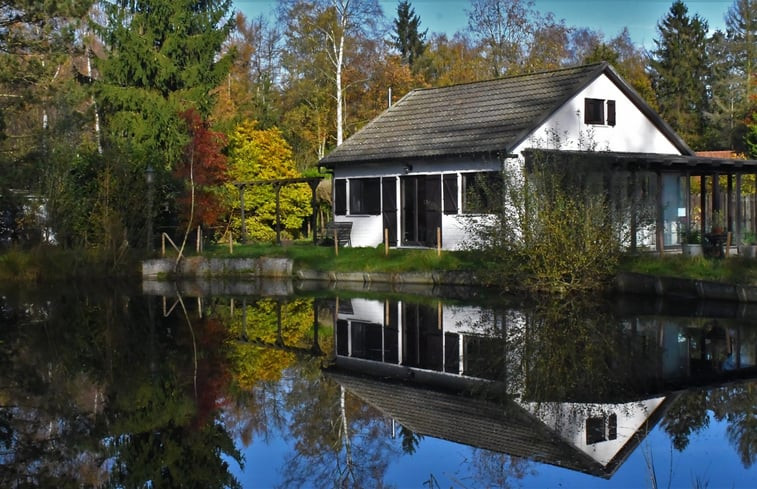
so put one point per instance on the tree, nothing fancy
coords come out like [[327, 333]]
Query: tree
[[330, 28], [251, 89], [452, 61], [751, 135], [727, 111], [741, 25], [407, 38], [504, 29], [204, 168], [263, 154], [42, 110], [161, 58], [679, 71], [627, 59]]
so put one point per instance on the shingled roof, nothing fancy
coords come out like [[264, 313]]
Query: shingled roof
[[485, 117]]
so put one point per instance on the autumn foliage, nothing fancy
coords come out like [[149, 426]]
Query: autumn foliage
[[203, 166]]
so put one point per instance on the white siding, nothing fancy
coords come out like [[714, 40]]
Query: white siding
[[633, 131]]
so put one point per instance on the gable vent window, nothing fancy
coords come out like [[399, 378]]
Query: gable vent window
[[599, 111]]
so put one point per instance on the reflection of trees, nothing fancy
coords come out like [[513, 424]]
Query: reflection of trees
[[97, 391], [687, 416], [341, 441], [492, 469], [738, 405]]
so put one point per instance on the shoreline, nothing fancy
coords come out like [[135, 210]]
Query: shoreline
[[624, 282]]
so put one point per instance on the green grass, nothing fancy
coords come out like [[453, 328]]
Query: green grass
[[734, 270], [323, 258]]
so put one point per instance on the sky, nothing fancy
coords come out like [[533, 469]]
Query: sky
[[608, 16]]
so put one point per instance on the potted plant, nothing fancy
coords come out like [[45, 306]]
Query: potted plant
[[748, 248], [692, 243], [717, 223]]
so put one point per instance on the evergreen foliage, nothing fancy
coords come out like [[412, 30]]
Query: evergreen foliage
[[679, 71], [162, 58], [407, 38]]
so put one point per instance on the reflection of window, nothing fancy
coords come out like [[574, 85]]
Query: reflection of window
[[480, 191], [601, 429], [594, 111], [365, 196]]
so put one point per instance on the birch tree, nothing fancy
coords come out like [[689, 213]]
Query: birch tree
[[330, 28]]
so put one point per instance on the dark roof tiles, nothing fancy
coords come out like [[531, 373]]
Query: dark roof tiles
[[484, 116]]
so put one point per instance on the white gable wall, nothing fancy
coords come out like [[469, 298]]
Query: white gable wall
[[633, 131]]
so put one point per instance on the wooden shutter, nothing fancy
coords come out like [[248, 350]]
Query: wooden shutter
[[610, 112]]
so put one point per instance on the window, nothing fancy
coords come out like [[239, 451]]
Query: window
[[365, 196], [480, 191], [449, 187], [340, 197], [601, 429], [594, 111]]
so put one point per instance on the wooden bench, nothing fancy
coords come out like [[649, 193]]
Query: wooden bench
[[343, 232]]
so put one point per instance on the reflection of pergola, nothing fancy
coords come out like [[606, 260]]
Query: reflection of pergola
[[277, 186], [684, 166]]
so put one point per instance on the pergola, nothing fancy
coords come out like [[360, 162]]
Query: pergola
[[686, 166], [278, 184]]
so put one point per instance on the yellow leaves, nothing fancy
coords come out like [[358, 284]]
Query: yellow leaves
[[264, 155]]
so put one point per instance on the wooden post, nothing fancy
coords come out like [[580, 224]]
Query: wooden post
[[231, 244], [438, 241], [386, 242], [163, 245], [198, 245], [336, 244], [277, 187]]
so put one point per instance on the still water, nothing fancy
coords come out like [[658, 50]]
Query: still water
[[276, 384]]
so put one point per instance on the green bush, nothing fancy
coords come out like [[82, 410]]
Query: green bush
[[548, 235]]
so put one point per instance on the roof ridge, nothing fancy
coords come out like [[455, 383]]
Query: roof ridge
[[586, 67]]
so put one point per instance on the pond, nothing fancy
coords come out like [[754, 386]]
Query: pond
[[275, 384]]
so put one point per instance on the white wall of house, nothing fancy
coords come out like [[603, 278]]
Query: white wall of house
[[368, 230], [632, 132]]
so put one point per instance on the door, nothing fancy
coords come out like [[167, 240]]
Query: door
[[421, 209], [389, 208]]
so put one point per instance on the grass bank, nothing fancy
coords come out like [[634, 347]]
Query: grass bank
[[323, 258], [54, 264], [733, 270]]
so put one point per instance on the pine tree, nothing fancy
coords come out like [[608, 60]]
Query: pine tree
[[409, 41], [162, 58], [679, 71]]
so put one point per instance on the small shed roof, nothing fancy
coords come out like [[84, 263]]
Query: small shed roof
[[487, 117]]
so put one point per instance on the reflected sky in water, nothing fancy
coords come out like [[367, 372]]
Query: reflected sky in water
[[289, 385]]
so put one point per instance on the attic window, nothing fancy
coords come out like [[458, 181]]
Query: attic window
[[594, 111]]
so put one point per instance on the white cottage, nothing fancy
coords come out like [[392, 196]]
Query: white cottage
[[410, 172]]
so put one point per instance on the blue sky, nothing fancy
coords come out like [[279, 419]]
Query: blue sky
[[609, 16]]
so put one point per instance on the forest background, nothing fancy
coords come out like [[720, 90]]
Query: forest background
[[117, 116]]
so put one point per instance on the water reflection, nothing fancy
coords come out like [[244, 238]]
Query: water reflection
[[568, 384], [119, 389]]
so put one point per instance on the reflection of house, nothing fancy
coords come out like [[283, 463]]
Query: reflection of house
[[458, 373], [504, 426], [416, 171]]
